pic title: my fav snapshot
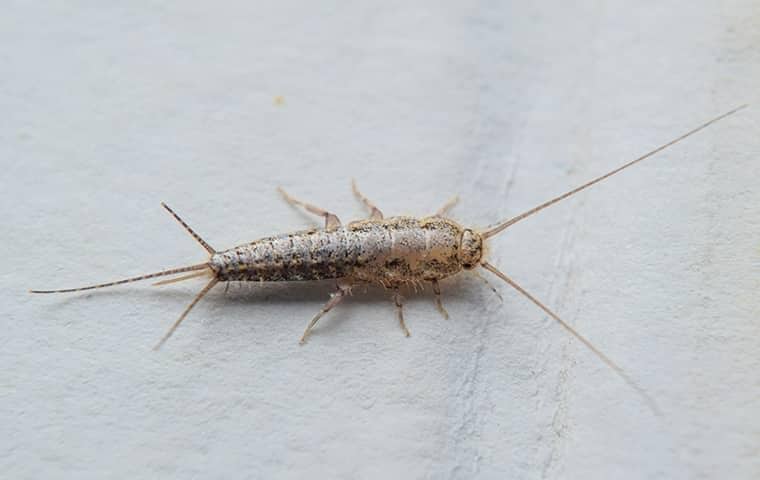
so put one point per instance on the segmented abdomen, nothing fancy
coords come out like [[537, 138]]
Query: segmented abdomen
[[389, 251]]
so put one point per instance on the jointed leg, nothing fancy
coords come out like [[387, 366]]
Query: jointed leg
[[437, 292], [447, 206], [375, 213], [331, 220], [398, 300], [335, 298]]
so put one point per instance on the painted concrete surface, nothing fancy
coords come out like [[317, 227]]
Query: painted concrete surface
[[109, 109]]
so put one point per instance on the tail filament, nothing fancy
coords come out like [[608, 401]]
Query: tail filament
[[173, 271]]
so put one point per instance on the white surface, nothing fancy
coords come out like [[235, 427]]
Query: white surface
[[109, 109]]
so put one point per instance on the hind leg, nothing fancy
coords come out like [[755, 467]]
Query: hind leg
[[335, 298], [447, 206], [375, 213], [438, 304], [399, 302], [331, 220]]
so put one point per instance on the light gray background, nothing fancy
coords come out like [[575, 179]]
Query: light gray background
[[109, 109]]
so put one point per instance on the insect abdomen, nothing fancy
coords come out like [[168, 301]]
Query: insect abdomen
[[306, 255]]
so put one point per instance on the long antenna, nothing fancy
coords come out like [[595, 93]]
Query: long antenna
[[500, 227], [604, 358]]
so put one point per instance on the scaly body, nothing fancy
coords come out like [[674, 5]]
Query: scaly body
[[391, 252]]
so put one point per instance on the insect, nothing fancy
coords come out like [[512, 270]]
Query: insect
[[392, 252]]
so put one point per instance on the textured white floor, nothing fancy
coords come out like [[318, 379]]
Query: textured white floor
[[109, 109]]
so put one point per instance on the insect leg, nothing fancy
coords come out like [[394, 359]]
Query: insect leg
[[331, 220], [335, 298], [437, 292], [375, 213], [398, 300], [447, 206]]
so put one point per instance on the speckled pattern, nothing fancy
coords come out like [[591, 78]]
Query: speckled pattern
[[391, 252]]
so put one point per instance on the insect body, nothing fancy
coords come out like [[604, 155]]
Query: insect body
[[391, 252]]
